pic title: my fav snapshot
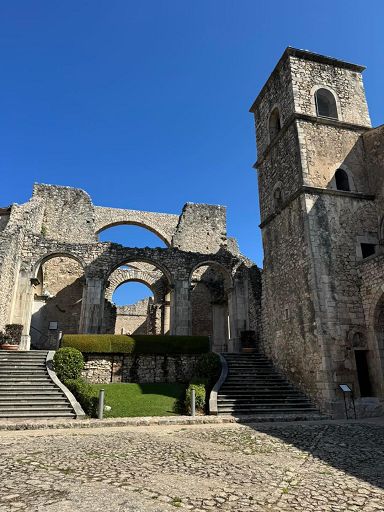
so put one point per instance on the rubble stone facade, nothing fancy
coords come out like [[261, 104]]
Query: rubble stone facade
[[320, 172], [56, 277]]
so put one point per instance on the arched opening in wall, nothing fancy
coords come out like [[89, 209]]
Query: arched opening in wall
[[133, 301], [277, 198], [137, 300], [274, 123], [210, 285], [342, 180], [130, 235], [58, 291], [325, 104]]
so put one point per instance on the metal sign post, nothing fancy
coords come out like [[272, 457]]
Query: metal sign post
[[346, 390]]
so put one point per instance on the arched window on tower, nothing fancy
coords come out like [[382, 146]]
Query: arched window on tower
[[342, 180], [325, 104], [277, 198], [274, 123]]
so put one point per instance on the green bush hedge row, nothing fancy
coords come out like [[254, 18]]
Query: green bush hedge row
[[140, 344]]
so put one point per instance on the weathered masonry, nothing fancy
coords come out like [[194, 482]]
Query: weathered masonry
[[321, 184], [56, 276]]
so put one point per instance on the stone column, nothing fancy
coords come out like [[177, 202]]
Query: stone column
[[181, 308], [22, 307], [92, 308], [220, 327], [166, 315], [238, 312]]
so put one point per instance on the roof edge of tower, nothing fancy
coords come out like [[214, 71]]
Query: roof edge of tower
[[307, 55]]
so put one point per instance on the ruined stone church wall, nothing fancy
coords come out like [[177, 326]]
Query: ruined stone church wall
[[202, 228], [133, 318], [10, 250], [68, 214]]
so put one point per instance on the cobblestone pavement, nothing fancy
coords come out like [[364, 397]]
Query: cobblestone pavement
[[305, 467]]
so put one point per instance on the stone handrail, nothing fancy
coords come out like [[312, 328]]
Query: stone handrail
[[52, 374], [217, 386]]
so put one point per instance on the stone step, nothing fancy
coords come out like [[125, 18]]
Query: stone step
[[33, 402], [20, 386], [37, 414], [10, 371], [250, 409], [37, 408], [258, 399], [25, 378]]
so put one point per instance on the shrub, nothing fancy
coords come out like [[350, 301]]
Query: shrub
[[137, 344], [85, 394], [208, 366], [68, 363], [14, 332], [200, 394], [5, 338]]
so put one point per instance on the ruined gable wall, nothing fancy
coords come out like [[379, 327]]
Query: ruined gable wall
[[202, 228], [68, 214]]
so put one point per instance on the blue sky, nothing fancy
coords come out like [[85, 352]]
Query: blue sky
[[145, 104]]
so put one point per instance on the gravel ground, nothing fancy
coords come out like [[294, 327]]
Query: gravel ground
[[327, 466]]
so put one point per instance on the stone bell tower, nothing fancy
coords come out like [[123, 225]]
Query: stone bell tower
[[316, 204]]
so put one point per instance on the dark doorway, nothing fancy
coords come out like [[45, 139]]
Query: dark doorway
[[363, 373]]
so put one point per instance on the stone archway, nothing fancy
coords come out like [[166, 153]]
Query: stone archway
[[57, 291], [210, 296]]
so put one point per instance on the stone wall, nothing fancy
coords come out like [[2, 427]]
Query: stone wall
[[57, 298], [162, 224], [59, 221], [142, 369], [201, 228], [133, 318]]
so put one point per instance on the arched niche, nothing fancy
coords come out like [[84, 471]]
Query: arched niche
[[210, 285]]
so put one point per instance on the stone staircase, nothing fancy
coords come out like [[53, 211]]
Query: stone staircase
[[254, 388], [26, 390]]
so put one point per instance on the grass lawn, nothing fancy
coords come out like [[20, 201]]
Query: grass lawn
[[141, 399]]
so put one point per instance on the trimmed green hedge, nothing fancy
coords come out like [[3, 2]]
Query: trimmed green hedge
[[85, 394], [140, 344]]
